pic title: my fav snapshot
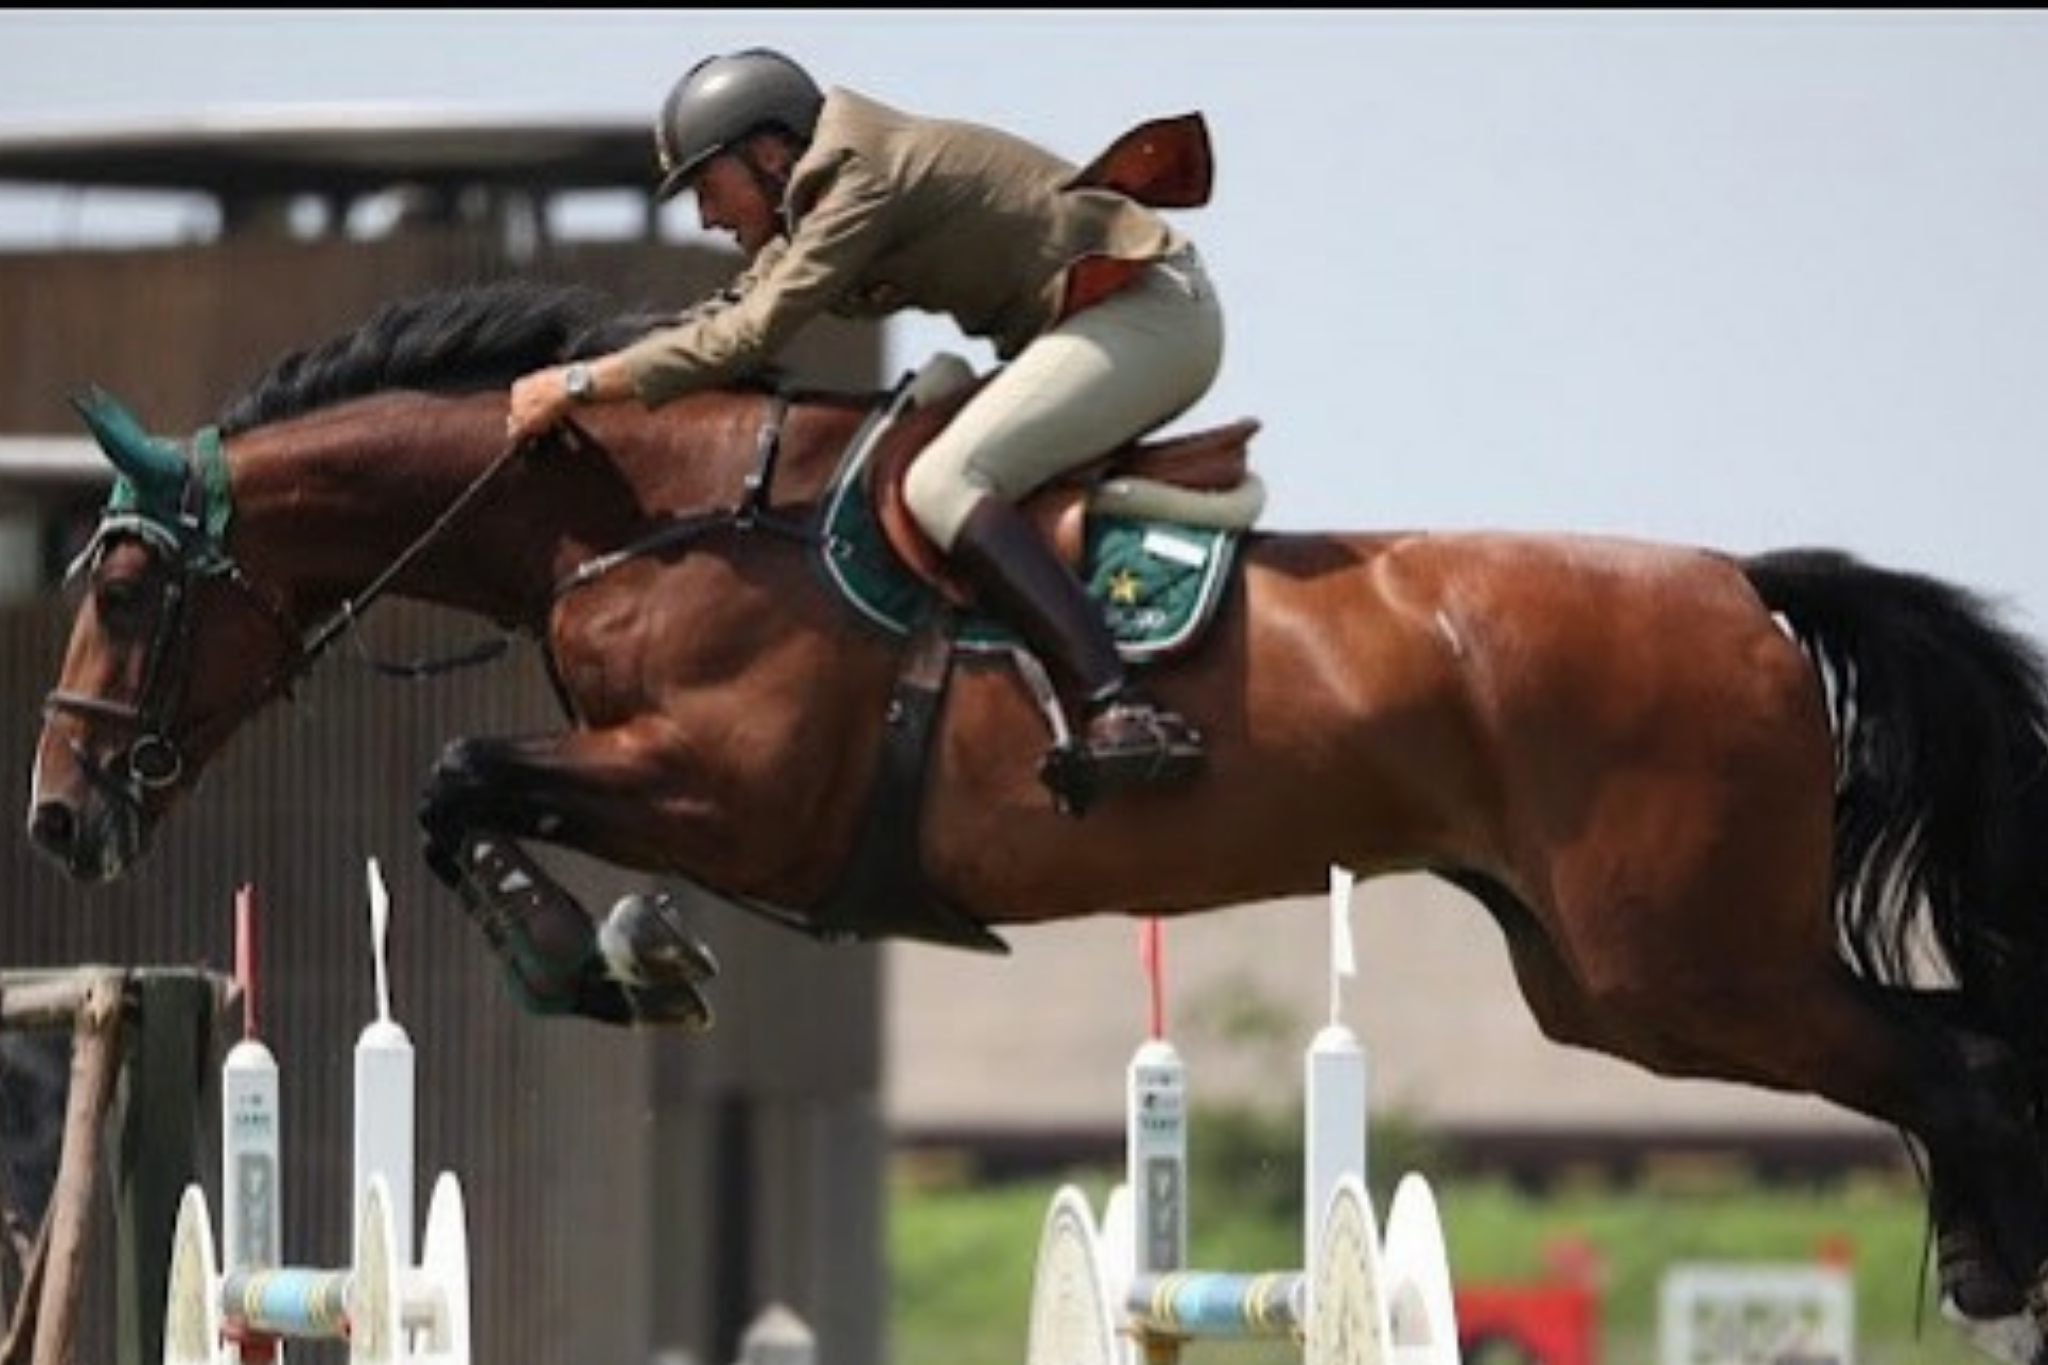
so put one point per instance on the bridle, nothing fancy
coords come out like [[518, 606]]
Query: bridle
[[155, 756], [190, 543]]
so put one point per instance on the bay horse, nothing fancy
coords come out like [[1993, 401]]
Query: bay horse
[[1774, 820]]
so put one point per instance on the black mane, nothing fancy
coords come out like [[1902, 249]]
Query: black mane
[[452, 340]]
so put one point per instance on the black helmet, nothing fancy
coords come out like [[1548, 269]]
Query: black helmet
[[721, 100]]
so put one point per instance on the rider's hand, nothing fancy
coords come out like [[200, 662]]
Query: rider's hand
[[539, 403]]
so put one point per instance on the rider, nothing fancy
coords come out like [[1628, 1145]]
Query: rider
[[844, 204]]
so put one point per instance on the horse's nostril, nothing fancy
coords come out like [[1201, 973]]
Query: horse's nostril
[[51, 827]]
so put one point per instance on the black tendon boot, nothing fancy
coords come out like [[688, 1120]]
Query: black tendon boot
[[1124, 737]]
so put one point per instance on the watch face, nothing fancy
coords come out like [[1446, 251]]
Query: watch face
[[576, 379]]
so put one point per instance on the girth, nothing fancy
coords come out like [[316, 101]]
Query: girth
[[883, 892]]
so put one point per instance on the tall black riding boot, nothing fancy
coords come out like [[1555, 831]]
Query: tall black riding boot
[[1125, 738]]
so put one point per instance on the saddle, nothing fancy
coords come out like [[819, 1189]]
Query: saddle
[[1156, 520], [1202, 479]]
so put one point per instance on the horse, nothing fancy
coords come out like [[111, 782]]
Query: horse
[[1770, 819]]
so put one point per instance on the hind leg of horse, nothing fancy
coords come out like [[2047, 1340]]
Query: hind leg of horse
[[1992, 1242], [1969, 1112], [1980, 1282], [640, 965], [1554, 997], [1688, 925], [1960, 1097], [1969, 1133], [1898, 1056], [1733, 1006], [1688, 893]]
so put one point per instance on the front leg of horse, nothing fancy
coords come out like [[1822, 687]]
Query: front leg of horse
[[639, 967]]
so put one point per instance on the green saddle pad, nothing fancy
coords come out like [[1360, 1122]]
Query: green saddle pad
[[1159, 582]]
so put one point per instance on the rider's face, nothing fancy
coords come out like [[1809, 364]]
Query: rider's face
[[730, 198]]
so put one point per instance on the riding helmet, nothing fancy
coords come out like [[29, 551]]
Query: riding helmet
[[722, 99]]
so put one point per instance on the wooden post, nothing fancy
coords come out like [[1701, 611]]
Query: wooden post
[[21, 1331], [157, 1151], [95, 1060], [48, 999]]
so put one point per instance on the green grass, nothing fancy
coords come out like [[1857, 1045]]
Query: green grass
[[961, 1255]]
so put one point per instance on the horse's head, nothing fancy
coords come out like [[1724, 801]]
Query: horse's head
[[340, 453], [171, 647]]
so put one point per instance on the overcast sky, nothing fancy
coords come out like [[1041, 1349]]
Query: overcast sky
[[1723, 278]]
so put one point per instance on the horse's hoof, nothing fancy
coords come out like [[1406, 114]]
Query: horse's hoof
[[1973, 1283], [676, 1005], [441, 860], [670, 1005], [656, 964], [645, 944], [2013, 1339]]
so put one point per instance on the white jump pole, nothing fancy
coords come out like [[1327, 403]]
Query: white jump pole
[[1123, 1295], [389, 1309], [1156, 1132], [383, 1095], [1333, 1083], [252, 1190]]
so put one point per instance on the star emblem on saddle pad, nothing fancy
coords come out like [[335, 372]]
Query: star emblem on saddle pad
[[1123, 587]]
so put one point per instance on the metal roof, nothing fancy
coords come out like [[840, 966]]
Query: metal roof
[[333, 149]]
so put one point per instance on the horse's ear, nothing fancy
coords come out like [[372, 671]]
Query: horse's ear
[[154, 465]]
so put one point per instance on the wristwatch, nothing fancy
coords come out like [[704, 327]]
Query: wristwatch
[[577, 380]]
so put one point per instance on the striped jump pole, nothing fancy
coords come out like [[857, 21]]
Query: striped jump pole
[[388, 1308], [1121, 1293]]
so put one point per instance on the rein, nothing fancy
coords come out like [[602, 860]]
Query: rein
[[344, 617]]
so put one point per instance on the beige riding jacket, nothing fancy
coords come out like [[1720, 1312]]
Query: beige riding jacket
[[888, 211]]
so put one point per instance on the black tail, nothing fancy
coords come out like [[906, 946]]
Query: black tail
[[1941, 724]]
